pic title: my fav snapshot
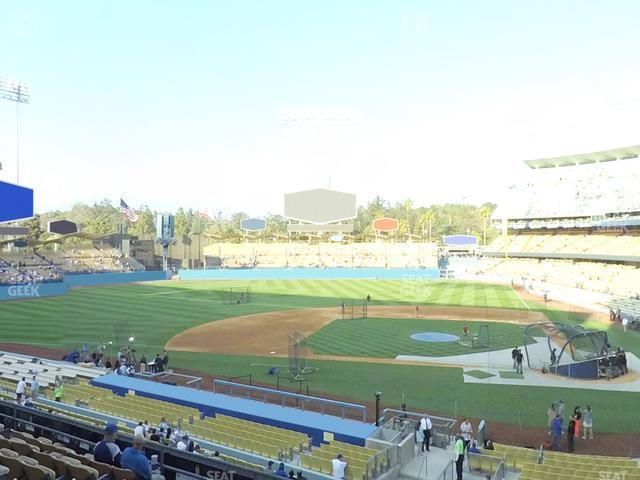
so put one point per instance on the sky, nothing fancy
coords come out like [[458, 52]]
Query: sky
[[226, 106]]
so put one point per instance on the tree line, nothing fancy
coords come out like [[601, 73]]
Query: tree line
[[417, 222]]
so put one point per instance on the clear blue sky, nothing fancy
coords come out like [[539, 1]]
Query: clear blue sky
[[186, 103]]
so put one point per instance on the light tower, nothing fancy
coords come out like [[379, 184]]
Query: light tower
[[18, 92]]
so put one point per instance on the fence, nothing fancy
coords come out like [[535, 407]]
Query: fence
[[288, 399], [442, 427]]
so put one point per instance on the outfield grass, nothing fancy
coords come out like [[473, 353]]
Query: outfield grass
[[390, 337], [154, 312]]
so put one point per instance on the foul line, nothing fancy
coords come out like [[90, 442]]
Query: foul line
[[518, 295]]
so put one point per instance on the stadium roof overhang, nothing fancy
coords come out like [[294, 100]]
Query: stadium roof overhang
[[585, 158]]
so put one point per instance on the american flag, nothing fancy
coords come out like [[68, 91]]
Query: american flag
[[131, 215]]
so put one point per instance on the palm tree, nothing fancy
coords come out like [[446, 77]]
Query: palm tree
[[485, 212], [427, 219]]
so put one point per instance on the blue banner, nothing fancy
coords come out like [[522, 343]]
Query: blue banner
[[16, 202]]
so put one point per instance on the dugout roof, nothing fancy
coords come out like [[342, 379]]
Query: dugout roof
[[586, 158]]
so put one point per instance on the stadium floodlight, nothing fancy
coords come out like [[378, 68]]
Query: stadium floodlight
[[18, 92]]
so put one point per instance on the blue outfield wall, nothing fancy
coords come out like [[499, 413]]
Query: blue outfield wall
[[52, 289], [28, 292], [309, 273], [312, 423], [91, 279]]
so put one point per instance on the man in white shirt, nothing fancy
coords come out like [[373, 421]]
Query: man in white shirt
[[139, 430], [466, 429], [20, 389], [625, 324], [339, 466], [425, 427]]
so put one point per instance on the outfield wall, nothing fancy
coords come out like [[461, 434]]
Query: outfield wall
[[309, 273], [52, 289], [93, 279], [27, 292]]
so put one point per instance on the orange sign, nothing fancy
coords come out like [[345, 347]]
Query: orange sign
[[386, 224]]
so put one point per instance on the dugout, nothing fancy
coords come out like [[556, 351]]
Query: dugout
[[579, 352]]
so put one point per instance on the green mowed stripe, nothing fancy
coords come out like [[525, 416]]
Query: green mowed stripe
[[155, 312], [389, 337]]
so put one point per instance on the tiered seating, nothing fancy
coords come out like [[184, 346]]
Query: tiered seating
[[560, 465], [360, 459], [611, 279], [130, 407], [265, 440], [564, 466], [514, 457], [268, 441], [330, 255], [32, 458]]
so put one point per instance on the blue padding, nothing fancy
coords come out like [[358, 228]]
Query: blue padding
[[16, 202], [91, 279], [585, 370], [312, 423], [310, 273], [28, 292]]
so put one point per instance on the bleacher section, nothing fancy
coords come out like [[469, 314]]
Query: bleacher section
[[581, 243], [580, 189], [270, 442], [14, 366], [610, 279], [559, 465], [326, 255]]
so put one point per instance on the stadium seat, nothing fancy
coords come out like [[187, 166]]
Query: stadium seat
[[122, 474]]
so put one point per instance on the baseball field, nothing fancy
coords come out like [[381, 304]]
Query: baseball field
[[354, 357]]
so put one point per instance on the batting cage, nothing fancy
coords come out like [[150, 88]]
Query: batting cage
[[298, 354], [479, 339], [566, 349], [235, 295], [353, 309]]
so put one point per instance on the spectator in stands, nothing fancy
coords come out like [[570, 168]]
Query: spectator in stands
[[154, 437], [147, 427], [425, 427], [35, 388], [163, 424], [106, 450], [183, 443], [133, 458], [143, 363], [459, 451], [339, 466], [571, 432], [20, 389], [625, 324], [108, 365], [58, 391], [281, 471], [556, 432], [139, 429], [269, 467], [587, 423], [466, 429]]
